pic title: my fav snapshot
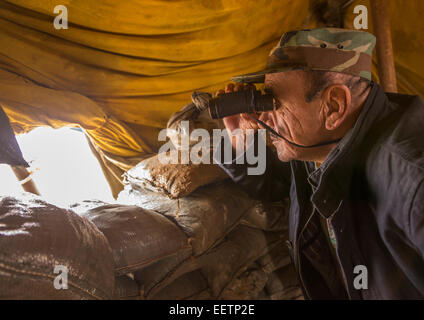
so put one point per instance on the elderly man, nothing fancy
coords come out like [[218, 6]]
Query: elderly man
[[350, 157]]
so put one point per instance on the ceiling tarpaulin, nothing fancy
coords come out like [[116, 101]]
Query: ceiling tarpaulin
[[407, 32], [123, 67]]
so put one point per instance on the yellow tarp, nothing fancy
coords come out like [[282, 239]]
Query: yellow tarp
[[123, 67]]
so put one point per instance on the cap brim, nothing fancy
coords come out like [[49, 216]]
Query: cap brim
[[259, 77]]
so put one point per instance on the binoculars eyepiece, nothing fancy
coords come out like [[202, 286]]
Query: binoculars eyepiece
[[245, 101]]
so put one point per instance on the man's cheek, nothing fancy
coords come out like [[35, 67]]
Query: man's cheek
[[284, 155], [282, 126], [269, 143], [286, 151], [282, 147]]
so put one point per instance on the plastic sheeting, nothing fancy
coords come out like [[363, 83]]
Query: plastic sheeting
[[123, 67]]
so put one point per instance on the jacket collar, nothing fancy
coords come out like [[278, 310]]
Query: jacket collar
[[335, 174]]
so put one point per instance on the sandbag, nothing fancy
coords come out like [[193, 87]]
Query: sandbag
[[190, 286], [206, 215], [39, 242], [224, 249], [283, 284], [226, 261], [220, 264], [268, 216], [126, 288], [263, 295], [180, 178], [138, 237], [275, 259], [247, 285], [83, 206], [174, 179], [157, 276]]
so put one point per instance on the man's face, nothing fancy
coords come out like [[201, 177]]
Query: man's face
[[293, 117]]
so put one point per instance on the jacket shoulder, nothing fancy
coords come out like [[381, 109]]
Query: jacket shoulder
[[405, 137], [395, 163]]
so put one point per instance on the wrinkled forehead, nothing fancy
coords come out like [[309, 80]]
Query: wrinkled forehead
[[287, 78]]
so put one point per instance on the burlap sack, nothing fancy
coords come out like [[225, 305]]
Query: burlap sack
[[175, 180], [82, 207], [126, 288], [283, 284], [220, 265], [40, 242], [180, 178], [139, 237], [268, 216], [157, 276], [247, 286], [275, 259], [190, 286], [229, 259], [263, 295], [206, 215], [224, 249]]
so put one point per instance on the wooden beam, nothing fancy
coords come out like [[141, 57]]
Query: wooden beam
[[386, 64], [24, 177]]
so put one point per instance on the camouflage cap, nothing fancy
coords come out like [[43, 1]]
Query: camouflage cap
[[327, 49]]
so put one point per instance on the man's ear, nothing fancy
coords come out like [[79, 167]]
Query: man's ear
[[336, 103]]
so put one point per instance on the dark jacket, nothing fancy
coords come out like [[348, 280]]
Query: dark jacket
[[370, 191]]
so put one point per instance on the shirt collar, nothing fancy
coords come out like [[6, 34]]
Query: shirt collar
[[315, 175]]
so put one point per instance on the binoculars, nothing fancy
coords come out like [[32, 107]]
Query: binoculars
[[245, 101]]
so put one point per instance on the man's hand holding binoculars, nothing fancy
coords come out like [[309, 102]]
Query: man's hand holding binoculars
[[238, 121]]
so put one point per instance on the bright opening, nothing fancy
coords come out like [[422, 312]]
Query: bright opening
[[65, 169]]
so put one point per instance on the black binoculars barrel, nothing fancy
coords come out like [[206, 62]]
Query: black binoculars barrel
[[247, 101]]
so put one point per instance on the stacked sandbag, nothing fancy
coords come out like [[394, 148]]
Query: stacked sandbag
[[206, 215], [283, 285], [174, 180], [227, 261], [83, 206], [139, 237], [237, 243], [219, 265], [159, 239], [173, 173], [190, 286], [248, 285], [177, 177], [186, 231], [262, 278], [48, 252], [126, 288]]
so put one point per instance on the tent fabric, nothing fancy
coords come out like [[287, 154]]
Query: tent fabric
[[123, 67], [407, 30]]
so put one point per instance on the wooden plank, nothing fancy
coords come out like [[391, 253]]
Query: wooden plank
[[386, 65]]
